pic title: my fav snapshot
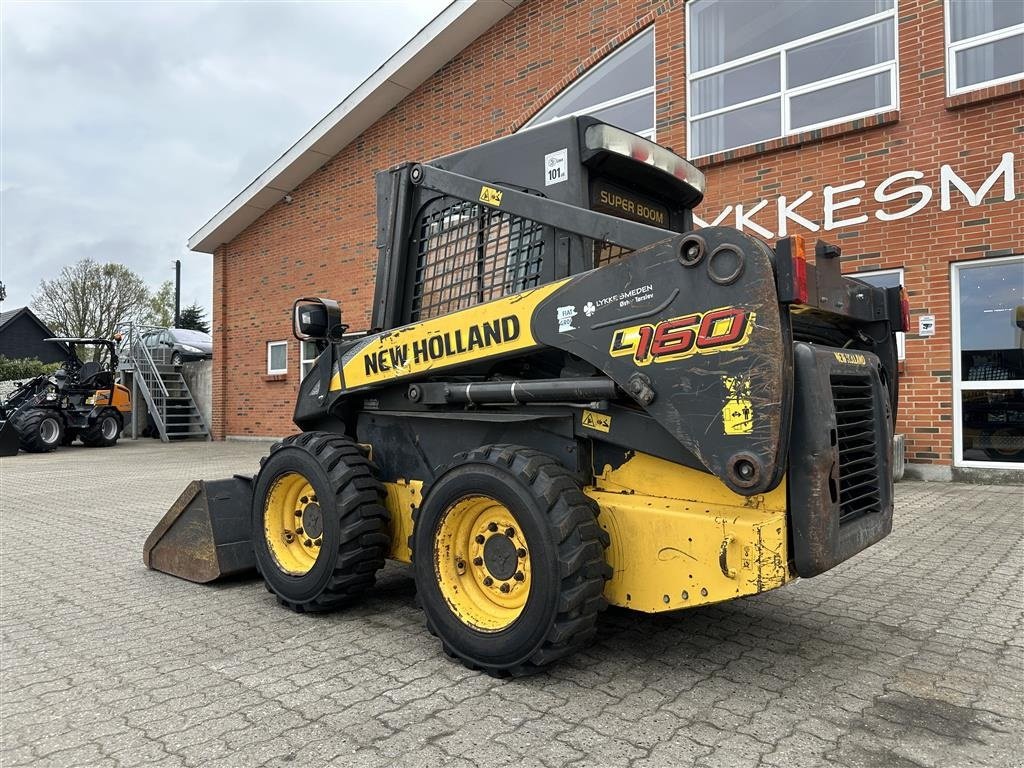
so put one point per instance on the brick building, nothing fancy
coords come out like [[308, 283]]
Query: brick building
[[894, 128]]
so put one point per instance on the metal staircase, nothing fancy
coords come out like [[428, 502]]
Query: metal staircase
[[167, 396]]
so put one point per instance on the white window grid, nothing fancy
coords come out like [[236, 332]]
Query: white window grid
[[306, 348], [609, 60], [959, 385], [952, 49], [271, 371], [786, 94], [901, 337]]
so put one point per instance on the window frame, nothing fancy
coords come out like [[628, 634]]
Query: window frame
[[651, 90], [973, 42], [959, 385], [784, 94], [303, 359], [901, 336], [271, 371]]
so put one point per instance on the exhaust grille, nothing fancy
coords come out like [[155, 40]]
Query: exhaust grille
[[853, 399], [467, 253]]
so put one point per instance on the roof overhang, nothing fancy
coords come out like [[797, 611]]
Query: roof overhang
[[435, 45]]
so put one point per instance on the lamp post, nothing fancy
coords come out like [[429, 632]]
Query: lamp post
[[177, 292]]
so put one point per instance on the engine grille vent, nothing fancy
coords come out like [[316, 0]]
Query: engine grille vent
[[859, 492], [467, 253]]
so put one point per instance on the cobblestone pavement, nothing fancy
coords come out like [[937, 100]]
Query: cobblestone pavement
[[909, 655]]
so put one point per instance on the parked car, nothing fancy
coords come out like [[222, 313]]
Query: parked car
[[179, 345]]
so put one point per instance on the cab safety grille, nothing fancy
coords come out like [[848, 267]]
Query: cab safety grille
[[467, 253], [853, 399]]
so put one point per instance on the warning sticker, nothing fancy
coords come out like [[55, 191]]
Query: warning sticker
[[738, 410], [556, 167], [600, 422], [491, 196]]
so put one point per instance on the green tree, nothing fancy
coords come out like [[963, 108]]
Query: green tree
[[194, 318], [161, 306]]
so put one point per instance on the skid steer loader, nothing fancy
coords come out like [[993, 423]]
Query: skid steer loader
[[80, 401], [568, 398]]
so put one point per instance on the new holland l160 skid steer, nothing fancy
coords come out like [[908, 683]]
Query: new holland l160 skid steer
[[568, 398]]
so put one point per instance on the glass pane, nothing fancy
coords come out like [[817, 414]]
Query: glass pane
[[306, 368], [992, 322], [746, 125], [990, 61], [635, 115], [993, 424], [726, 30], [883, 280], [278, 357], [833, 56], [628, 70], [968, 18], [734, 86], [850, 98]]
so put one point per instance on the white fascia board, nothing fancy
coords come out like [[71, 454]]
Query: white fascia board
[[458, 25]]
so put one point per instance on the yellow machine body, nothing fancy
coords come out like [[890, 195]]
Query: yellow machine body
[[122, 400], [679, 537]]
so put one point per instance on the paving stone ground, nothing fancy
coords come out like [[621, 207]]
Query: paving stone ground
[[911, 654]]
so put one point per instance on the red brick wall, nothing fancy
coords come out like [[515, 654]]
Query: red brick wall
[[323, 241]]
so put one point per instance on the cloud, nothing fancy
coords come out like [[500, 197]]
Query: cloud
[[126, 126]]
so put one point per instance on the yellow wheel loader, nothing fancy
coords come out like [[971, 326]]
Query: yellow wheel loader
[[568, 398]]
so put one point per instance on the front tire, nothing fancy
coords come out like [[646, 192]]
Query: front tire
[[320, 528], [104, 432], [40, 430], [509, 560]]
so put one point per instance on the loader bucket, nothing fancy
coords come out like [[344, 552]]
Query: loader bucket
[[207, 533], [9, 442]]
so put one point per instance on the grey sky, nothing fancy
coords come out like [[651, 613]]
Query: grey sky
[[125, 126]]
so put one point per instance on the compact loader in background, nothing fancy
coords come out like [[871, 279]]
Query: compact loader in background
[[81, 400], [568, 398]]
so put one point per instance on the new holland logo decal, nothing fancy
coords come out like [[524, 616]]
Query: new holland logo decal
[[700, 333]]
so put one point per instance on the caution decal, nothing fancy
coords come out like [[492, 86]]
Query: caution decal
[[494, 328], [602, 422]]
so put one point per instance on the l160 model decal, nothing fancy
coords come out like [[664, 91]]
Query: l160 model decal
[[707, 333]]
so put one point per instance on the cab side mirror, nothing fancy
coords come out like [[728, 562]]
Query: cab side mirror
[[315, 319]]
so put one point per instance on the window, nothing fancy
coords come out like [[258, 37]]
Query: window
[[759, 71], [887, 278], [984, 43], [619, 90], [277, 357], [307, 356], [988, 363]]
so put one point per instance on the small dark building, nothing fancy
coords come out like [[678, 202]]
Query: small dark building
[[22, 334]]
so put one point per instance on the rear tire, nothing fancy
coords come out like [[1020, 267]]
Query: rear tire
[[320, 528], [509, 560], [104, 432], [40, 430]]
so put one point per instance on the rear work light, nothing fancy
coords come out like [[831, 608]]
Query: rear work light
[[612, 139]]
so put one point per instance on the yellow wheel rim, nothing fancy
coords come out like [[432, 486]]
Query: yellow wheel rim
[[482, 563], [293, 524]]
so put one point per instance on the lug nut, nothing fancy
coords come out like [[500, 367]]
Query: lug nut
[[492, 527], [309, 542], [488, 581], [318, 542], [478, 561], [521, 553], [298, 513], [480, 538], [505, 587], [298, 531], [510, 532], [313, 498], [519, 576], [304, 499]]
